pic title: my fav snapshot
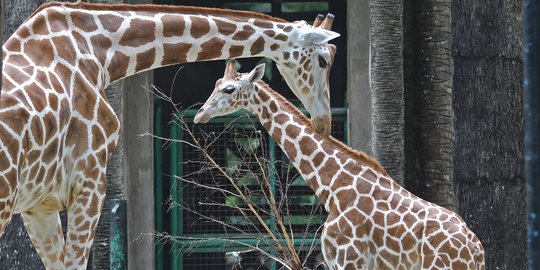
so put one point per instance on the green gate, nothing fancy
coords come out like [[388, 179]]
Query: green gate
[[305, 215]]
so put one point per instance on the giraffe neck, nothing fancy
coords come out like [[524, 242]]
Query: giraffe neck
[[128, 39], [325, 163]]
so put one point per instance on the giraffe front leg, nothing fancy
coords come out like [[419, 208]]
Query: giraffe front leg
[[83, 217], [45, 230]]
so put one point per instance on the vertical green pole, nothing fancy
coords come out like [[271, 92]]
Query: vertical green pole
[[173, 191], [158, 182], [176, 195], [180, 197], [273, 177], [118, 235]]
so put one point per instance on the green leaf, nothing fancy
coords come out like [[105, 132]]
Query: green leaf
[[299, 181], [233, 162], [249, 144], [233, 201], [247, 179]]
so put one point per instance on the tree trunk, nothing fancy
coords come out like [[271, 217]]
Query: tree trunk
[[488, 106], [16, 249], [387, 85], [429, 115]]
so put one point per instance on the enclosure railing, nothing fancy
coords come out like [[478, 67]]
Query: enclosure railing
[[187, 226]]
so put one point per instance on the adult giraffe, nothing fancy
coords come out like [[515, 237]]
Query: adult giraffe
[[57, 130], [373, 223]]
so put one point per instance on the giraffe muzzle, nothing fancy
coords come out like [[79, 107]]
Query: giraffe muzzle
[[201, 117], [322, 124]]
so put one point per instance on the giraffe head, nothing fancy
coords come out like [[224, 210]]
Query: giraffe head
[[231, 93], [306, 69]]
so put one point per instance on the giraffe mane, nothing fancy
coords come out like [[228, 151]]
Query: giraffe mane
[[233, 14], [344, 149]]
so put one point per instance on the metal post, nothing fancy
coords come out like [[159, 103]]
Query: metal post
[[118, 235], [159, 211], [531, 54]]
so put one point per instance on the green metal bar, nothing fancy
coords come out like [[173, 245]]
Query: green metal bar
[[218, 244], [273, 178], [180, 197], [159, 212], [118, 235], [175, 166], [177, 195], [272, 174]]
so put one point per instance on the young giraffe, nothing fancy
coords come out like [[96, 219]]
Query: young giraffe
[[57, 130], [373, 223]]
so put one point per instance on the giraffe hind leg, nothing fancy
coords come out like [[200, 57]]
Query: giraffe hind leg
[[83, 217], [45, 231]]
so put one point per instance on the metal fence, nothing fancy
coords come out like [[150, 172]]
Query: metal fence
[[304, 216]]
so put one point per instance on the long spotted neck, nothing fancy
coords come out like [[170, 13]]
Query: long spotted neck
[[326, 164], [130, 39]]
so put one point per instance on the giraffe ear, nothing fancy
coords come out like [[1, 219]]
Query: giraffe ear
[[230, 69], [256, 74], [318, 36]]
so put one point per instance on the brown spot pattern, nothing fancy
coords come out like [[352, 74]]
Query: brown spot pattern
[[41, 52], [82, 45], [39, 26], [246, 32], [145, 59], [175, 53], [37, 97], [101, 45], [235, 51], [118, 67], [90, 70], [84, 99], [83, 21], [257, 46], [199, 27], [269, 33], [57, 21], [36, 127], [65, 49], [292, 131], [111, 22], [274, 47], [139, 33], [281, 37], [107, 119], [173, 25], [263, 24], [225, 28], [211, 49]]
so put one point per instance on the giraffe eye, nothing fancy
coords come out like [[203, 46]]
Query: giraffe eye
[[322, 62], [229, 89]]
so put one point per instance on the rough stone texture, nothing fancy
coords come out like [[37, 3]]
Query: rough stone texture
[[488, 107], [387, 85], [429, 116]]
